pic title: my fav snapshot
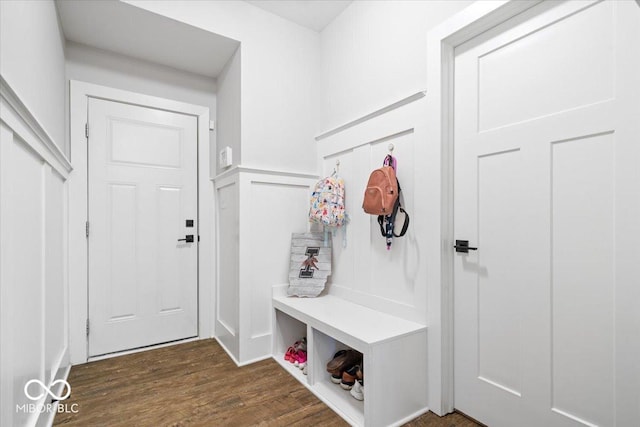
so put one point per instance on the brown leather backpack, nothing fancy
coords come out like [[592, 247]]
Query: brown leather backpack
[[382, 198], [382, 192]]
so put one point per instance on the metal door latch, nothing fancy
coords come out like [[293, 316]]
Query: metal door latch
[[462, 246]]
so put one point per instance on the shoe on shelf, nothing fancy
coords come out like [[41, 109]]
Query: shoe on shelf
[[289, 355], [349, 377], [301, 345], [304, 370], [357, 391], [341, 361], [333, 367], [301, 359]]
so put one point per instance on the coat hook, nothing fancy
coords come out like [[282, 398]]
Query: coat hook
[[391, 147], [337, 165]]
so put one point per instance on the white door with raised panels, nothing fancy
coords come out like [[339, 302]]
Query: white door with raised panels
[[547, 188], [143, 281]]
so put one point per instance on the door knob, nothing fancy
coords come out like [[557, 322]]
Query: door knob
[[462, 246], [188, 238]]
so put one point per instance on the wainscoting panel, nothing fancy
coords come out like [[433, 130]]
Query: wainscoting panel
[[227, 233], [257, 212], [33, 262], [277, 208], [365, 272]]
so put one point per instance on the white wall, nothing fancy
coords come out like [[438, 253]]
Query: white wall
[[279, 78], [32, 60], [123, 72], [33, 206], [374, 54], [106, 68], [256, 214], [229, 120], [268, 109], [364, 271], [33, 261]]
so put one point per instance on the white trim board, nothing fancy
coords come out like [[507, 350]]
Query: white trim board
[[28, 128], [80, 92], [441, 43], [378, 112], [260, 171]]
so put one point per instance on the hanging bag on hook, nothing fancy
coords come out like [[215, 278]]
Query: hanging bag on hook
[[382, 198], [327, 206], [382, 190]]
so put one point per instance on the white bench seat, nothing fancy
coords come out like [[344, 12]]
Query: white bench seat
[[347, 318]]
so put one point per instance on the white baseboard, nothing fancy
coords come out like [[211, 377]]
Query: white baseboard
[[411, 417], [257, 359]]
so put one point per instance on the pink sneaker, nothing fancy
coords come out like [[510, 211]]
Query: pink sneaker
[[301, 359], [289, 356]]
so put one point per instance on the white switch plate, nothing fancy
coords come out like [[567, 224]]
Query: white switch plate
[[225, 157]]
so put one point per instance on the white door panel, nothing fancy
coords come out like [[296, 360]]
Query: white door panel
[[142, 188], [544, 153]]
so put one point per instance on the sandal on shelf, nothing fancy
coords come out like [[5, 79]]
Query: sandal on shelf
[[289, 355]]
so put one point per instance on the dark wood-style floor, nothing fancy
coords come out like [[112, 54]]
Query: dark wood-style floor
[[197, 384]]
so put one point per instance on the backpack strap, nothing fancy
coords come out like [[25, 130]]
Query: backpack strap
[[389, 160], [405, 225], [380, 223], [387, 223]]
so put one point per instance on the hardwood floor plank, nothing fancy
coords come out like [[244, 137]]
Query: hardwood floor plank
[[197, 384]]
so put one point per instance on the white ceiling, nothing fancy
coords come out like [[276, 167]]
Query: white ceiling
[[131, 31], [313, 14]]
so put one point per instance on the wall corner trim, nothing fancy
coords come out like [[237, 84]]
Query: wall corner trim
[[404, 101], [261, 171], [23, 123]]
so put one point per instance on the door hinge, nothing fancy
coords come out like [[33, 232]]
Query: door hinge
[[86, 228], [86, 130], [87, 327]]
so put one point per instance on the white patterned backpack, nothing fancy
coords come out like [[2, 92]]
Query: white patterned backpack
[[327, 204]]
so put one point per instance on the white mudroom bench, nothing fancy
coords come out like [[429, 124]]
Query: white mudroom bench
[[394, 350]]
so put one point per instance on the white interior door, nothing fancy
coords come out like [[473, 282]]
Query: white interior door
[[547, 154], [142, 190]]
